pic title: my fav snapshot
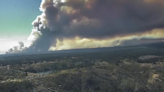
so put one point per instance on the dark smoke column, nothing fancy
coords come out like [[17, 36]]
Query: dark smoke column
[[45, 27], [94, 19]]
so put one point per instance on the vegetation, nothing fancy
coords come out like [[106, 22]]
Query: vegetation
[[16, 86], [118, 70]]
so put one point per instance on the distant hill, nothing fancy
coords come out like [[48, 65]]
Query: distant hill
[[156, 45], [88, 50]]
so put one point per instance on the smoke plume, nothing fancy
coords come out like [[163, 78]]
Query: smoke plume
[[94, 19]]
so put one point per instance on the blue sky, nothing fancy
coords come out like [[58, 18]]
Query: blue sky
[[16, 17]]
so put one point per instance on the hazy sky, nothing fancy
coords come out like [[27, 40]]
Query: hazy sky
[[16, 17]]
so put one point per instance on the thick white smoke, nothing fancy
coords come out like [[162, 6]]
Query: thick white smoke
[[45, 26]]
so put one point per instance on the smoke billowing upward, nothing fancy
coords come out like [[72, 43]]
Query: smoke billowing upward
[[94, 19]]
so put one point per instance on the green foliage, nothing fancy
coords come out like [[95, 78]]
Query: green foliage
[[123, 78], [16, 86], [118, 70], [10, 74]]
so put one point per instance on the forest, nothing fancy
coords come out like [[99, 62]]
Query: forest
[[121, 69]]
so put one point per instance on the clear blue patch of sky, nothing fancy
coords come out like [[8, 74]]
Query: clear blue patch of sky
[[16, 16]]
